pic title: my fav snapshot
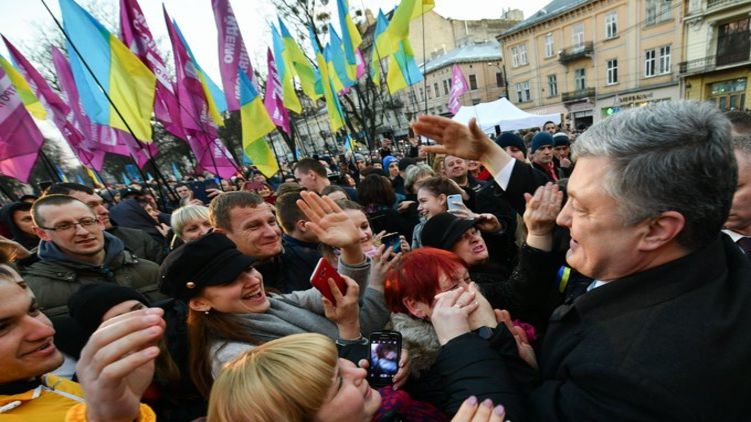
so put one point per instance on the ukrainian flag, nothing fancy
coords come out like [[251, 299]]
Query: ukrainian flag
[[128, 82], [30, 101], [338, 66], [256, 124], [398, 29], [375, 63], [350, 36], [286, 72], [336, 116], [403, 69], [303, 68]]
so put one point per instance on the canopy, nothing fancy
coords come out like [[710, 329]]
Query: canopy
[[504, 114]]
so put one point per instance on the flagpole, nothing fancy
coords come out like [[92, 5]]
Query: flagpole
[[114, 107], [49, 167], [273, 148]]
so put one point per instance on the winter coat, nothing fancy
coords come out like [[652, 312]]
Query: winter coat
[[54, 277], [140, 243]]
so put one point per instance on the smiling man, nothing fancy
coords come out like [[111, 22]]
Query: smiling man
[[75, 250], [659, 332]]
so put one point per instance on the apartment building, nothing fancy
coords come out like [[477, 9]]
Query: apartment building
[[717, 60], [588, 59]]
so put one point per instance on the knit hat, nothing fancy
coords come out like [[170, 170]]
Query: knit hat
[[509, 139], [444, 230], [406, 162], [210, 260], [561, 139], [91, 301], [359, 157], [388, 160], [540, 139]]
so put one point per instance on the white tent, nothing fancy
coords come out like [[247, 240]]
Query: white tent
[[504, 114]]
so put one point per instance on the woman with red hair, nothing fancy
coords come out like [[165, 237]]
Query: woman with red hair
[[457, 343]]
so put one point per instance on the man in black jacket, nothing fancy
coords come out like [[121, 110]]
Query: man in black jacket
[[657, 334]]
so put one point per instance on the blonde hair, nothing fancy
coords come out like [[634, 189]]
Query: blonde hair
[[184, 215], [283, 380]]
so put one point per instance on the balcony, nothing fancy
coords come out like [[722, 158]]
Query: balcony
[[720, 3], [579, 94], [710, 63], [574, 53]]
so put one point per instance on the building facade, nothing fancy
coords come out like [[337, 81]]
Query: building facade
[[717, 60], [587, 59]]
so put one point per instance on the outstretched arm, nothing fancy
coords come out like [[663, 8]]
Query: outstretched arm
[[332, 226]]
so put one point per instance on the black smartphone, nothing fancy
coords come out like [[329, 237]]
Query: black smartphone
[[385, 353], [392, 241]]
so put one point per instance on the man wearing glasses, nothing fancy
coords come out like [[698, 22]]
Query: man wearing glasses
[[75, 250]]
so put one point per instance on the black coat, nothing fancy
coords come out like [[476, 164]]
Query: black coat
[[668, 343]]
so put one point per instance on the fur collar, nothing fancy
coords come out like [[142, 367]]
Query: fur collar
[[420, 339]]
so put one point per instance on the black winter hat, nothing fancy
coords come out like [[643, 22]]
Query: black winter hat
[[508, 139], [444, 230], [91, 301], [561, 139], [210, 260]]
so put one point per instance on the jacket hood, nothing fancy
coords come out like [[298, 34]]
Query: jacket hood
[[129, 213], [6, 215], [420, 339], [113, 247]]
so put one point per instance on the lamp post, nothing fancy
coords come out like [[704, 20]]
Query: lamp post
[[502, 68]]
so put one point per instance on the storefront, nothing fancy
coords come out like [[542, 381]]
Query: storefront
[[607, 106]]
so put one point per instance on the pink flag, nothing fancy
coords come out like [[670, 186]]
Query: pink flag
[[194, 111], [274, 102], [61, 114], [212, 155], [20, 139], [98, 137], [232, 53], [458, 87], [360, 63], [135, 33]]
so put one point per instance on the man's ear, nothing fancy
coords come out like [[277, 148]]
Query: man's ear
[[300, 226], [199, 304], [661, 230], [417, 309], [42, 234]]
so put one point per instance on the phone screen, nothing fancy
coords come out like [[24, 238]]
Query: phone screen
[[384, 360], [392, 241]]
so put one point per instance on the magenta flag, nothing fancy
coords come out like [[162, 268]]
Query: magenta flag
[[98, 138], [232, 53], [274, 101], [458, 87], [20, 139], [194, 111], [135, 33], [62, 115], [212, 155]]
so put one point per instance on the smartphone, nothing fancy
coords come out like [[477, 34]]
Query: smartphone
[[385, 353], [320, 279], [392, 241], [454, 201]]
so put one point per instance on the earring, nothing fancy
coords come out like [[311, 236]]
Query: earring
[[206, 312]]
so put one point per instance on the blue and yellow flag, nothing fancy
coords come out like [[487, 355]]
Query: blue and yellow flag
[[286, 70], [338, 67], [303, 68], [403, 69], [375, 62], [126, 80], [350, 37], [336, 115], [256, 124], [398, 29]]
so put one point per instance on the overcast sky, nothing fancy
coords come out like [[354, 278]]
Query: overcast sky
[[196, 21]]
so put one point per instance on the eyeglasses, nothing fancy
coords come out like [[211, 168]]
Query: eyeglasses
[[67, 226]]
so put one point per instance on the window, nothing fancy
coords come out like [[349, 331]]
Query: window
[[611, 25], [657, 11], [519, 55], [437, 91], [430, 96], [657, 61], [580, 79], [649, 63], [472, 82], [612, 67], [733, 42], [549, 48], [552, 86], [476, 101], [577, 35], [445, 87], [522, 92], [422, 95], [664, 60], [498, 79]]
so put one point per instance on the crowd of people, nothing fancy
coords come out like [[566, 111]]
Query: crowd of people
[[531, 276]]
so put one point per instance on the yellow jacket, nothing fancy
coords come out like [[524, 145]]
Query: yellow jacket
[[56, 399]]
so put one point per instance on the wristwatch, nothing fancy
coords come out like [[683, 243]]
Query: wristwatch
[[361, 340], [485, 333]]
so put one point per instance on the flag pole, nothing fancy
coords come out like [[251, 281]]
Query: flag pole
[[114, 107], [49, 167]]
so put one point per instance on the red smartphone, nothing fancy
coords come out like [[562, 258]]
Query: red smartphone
[[320, 279]]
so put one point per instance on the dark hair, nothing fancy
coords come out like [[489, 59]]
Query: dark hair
[[439, 185], [288, 212], [307, 164], [51, 200], [220, 207], [376, 190], [65, 188], [348, 204], [182, 184], [334, 188], [288, 187]]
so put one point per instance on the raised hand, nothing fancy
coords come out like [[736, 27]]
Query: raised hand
[[327, 221], [471, 411], [383, 261], [456, 139], [449, 317], [539, 216], [117, 364], [483, 316], [525, 350], [345, 313]]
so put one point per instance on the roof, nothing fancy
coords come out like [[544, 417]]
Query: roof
[[489, 50], [551, 10]]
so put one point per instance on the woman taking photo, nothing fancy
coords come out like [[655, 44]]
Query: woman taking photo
[[230, 311]]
